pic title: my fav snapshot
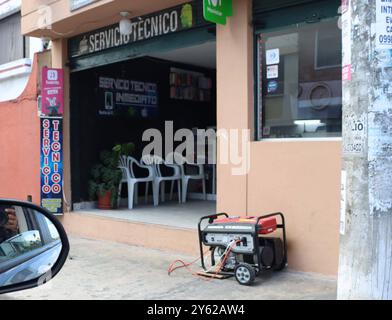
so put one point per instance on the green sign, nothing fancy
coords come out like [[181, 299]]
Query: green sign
[[217, 11]]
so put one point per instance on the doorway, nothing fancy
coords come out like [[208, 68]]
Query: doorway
[[180, 89]]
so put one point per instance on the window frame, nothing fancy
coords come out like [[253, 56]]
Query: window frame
[[322, 14], [22, 40]]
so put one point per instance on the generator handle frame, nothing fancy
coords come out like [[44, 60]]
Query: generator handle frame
[[211, 219], [279, 226]]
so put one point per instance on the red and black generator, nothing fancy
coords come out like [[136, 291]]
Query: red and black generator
[[244, 246]]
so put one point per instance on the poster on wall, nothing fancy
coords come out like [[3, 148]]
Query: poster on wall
[[125, 97], [346, 40], [383, 24], [52, 92], [52, 164]]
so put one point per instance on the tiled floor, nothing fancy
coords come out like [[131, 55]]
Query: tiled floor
[[170, 214]]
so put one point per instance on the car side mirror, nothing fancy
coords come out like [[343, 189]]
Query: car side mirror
[[33, 246]]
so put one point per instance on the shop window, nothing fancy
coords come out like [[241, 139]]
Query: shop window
[[299, 81]]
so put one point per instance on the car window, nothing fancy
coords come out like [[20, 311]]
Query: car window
[[48, 231], [23, 231], [53, 231]]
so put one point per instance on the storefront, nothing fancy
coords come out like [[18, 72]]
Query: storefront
[[277, 73], [162, 74]]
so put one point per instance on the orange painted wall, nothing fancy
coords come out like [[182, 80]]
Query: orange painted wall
[[234, 98], [19, 143], [302, 180]]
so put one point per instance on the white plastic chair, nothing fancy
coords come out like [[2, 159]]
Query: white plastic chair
[[159, 179], [182, 162], [128, 176]]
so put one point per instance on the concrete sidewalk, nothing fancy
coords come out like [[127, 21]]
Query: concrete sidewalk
[[107, 271]]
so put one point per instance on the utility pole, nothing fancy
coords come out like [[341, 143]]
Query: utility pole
[[365, 266]]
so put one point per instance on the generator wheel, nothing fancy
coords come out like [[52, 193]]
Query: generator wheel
[[245, 274], [280, 267]]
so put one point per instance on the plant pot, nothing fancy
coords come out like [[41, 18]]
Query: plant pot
[[104, 202]]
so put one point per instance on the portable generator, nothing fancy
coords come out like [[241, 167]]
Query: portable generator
[[244, 246]]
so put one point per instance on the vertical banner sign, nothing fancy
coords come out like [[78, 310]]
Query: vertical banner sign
[[217, 11], [52, 92], [52, 101], [52, 164]]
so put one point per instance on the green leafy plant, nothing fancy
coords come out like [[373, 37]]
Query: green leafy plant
[[125, 149], [106, 176]]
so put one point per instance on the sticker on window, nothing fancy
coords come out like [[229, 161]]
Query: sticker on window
[[273, 86], [273, 72], [273, 56]]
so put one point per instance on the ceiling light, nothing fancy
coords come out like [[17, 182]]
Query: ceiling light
[[125, 24], [307, 122]]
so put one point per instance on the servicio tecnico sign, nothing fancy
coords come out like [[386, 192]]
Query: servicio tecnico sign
[[127, 97], [147, 27], [52, 164]]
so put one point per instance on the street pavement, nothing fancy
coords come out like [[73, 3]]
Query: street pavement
[[98, 270]]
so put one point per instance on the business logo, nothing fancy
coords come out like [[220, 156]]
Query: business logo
[[273, 86], [187, 16], [53, 75], [52, 92], [217, 11]]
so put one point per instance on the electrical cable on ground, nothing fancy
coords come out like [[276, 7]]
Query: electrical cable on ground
[[218, 267]]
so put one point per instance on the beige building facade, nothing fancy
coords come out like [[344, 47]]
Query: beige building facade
[[299, 176]]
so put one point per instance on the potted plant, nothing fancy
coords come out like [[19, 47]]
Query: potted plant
[[106, 176]]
